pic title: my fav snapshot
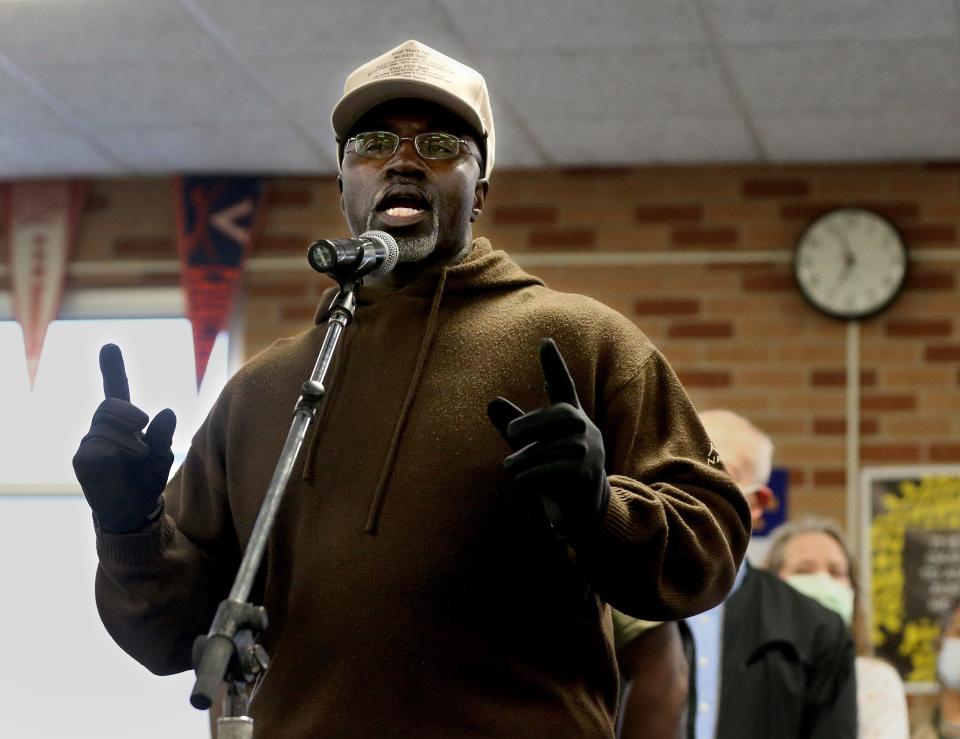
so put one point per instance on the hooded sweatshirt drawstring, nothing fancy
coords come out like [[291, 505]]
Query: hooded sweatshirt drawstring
[[428, 333]]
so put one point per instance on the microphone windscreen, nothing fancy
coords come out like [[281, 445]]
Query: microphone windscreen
[[390, 246]]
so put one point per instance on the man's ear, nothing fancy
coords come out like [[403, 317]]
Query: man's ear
[[479, 198]]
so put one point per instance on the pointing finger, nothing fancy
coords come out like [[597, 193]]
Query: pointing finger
[[114, 375], [559, 383]]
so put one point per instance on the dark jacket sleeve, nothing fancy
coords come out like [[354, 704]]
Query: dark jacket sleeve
[[158, 589], [677, 526]]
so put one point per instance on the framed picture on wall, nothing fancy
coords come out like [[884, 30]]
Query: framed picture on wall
[[910, 563]]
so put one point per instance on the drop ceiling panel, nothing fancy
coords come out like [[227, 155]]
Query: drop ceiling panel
[[619, 84], [135, 86], [20, 111], [852, 78], [356, 30], [780, 21], [60, 151], [160, 94], [101, 32], [837, 138], [217, 148], [648, 140], [574, 24]]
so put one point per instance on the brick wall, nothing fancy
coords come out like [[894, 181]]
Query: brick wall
[[704, 271]]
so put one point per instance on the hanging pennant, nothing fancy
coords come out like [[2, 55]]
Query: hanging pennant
[[41, 227], [217, 220]]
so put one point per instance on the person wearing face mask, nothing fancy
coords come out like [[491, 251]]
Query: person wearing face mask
[[946, 716], [812, 555], [768, 662]]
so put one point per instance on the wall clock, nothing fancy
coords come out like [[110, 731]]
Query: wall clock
[[850, 263]]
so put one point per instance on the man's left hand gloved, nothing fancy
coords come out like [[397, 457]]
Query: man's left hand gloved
[[557, 451]]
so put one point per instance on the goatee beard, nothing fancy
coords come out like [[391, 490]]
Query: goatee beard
[[415, 248]]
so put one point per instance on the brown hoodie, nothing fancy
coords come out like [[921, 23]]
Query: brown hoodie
[[412, 590]]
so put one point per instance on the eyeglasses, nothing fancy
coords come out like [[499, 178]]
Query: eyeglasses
[[384, 144]]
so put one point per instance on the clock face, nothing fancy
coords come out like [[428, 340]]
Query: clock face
[[850, 263]]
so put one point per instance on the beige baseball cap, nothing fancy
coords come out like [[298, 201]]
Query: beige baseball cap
[[414, 70]]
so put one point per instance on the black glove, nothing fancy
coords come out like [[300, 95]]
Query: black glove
[[121, 470], [557, 451]]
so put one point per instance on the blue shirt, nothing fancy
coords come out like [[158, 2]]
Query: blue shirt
[[707, 631]]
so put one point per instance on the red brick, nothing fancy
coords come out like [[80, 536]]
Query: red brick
[[701, 330], [769, 282], [296, 243], [775, 188], [531, 215], [838, 378], [945, 452], [829, 426], [170, 279], [943, 353], [888, 403], [838, 426], [717, 236], [829, 477], [917, 329], [96, 201], [564, 238], [704, 378], [929, 281], [289, 195], [144, 247], [944, 165], [666, 307], [889, 453], [895, 211], [599, 172], [669, 212], [937, 233]]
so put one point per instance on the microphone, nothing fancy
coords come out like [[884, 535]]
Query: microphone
[[372, 252]]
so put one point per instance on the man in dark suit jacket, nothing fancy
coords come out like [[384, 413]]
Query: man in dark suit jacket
[[785, 666]]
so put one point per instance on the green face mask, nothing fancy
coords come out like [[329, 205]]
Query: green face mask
[[827, 592]]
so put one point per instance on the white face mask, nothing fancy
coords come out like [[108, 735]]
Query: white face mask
[[827, 591], [948, 663]]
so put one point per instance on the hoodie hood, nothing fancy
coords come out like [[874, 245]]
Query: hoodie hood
[[483, 270]]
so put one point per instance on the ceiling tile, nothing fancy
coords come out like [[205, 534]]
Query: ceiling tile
[[574, 24], [887, 136], [101, 32], [855, 78], [766, 21], [20, 111], [227, 147], [354, 31], [159, 94], [579, 141], [619, 83], [52, 153]]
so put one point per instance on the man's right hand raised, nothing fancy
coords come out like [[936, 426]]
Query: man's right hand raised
[[121, 469]]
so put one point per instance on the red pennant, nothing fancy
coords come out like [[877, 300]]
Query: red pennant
[[41, 228], [217, 224]]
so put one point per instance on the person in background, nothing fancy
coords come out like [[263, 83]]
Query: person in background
[[499, 464], [945, 720], [768, 662], [812, 555]]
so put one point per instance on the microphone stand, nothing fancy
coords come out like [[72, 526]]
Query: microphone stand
[[229, 652]]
